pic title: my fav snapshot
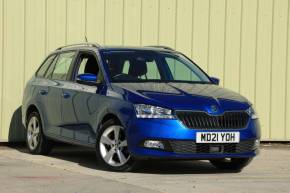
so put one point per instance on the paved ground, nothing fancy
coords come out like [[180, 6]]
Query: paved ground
[[73, 170]]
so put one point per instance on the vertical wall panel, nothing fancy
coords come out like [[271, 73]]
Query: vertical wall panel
[[149, 33], [167, 22], [200, 33], [248, 48], [76, 23], [34, 35], [278, 68], [13, 64], [114, 22], [264, 58], [287, 86], [232, 45], [132, 15], [217, 39], [184, 26], [95, 20], [1, 61], [56, 24]]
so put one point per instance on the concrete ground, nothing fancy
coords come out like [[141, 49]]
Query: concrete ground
[[70, 169]]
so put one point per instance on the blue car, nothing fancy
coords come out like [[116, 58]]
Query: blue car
[[136, 103]]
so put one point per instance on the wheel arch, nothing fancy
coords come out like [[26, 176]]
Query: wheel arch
[[109, 116], [31, 108]]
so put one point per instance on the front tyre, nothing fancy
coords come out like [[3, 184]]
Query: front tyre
[[111, 147], [36, 141], [234, 164]]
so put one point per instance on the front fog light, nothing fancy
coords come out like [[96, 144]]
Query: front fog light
[[153, 144], [257, 144]]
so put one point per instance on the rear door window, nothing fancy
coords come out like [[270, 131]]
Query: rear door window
[[62, 66]]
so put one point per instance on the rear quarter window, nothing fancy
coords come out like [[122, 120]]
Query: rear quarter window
[[43, 68]]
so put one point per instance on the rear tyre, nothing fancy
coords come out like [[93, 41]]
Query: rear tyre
[[233, 164], [111, 147], [36, 141]]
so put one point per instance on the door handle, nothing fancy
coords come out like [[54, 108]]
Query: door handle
[[43, 92], [65, 95]]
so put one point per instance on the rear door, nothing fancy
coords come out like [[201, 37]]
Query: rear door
[[41, 85], [57, 78]]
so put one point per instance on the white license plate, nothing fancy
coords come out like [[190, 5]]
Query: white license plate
[[217, 137]]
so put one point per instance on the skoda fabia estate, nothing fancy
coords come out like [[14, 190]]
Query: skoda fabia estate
[[133, 103]]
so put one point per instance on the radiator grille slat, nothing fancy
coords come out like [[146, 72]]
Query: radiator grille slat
[[202, 120]]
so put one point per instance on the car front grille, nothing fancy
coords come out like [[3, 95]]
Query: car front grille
[[202, 120], [190, 147]]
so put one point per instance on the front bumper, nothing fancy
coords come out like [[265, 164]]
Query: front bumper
[[180, 141]]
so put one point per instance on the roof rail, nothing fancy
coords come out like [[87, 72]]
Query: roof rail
[[163, 47], [80, 44]]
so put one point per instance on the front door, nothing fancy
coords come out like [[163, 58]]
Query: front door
[[77, 108]]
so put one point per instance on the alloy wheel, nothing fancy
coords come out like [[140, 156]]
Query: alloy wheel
[[113, 146], [33, 132]]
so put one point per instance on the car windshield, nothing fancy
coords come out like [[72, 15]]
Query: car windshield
[[152, 66]]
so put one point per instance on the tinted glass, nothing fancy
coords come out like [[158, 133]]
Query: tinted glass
[[62, 66], [140, 66], [152, 70], [180, 71], [42, 70]]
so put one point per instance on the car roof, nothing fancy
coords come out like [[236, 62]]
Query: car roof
[[153, 48]]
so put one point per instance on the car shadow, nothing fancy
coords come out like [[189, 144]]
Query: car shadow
[[16, 132], [85, 157]]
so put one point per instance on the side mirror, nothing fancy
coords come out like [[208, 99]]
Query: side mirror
[[215, 80], [87, 78]]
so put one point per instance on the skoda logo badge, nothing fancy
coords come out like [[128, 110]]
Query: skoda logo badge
[[214, 108]]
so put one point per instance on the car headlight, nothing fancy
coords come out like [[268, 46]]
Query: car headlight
[[149, 111], [252, 113]]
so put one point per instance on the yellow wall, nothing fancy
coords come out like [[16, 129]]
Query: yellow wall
[[243, 42]]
